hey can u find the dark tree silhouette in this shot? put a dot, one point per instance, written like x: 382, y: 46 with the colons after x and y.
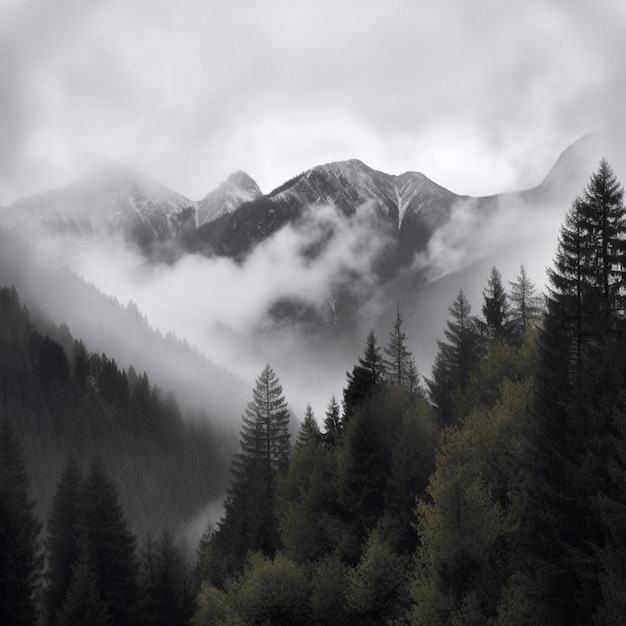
x: 526, y: 306
x: 309, y: 430
x: 577, y: 393
x: 496, y: 307
x: 21, y: 558
x: 455, y: 358
x: 399, y: 362
x: 63, y: 538
x: 249, y: 521
x: 110, y: 545
x: 366, y: 378
x: 333, y: 423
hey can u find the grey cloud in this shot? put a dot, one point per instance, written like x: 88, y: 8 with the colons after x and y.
x: 221, y: 306
x: 192, y: 91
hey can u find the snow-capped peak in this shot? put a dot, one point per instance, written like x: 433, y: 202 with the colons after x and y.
x: 236, y: 190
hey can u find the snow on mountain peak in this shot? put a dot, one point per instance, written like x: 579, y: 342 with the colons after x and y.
x: 351, y: 184
x: 236, y: 190
x: 112, y: 197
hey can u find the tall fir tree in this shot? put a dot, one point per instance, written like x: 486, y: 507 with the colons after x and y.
x: 21, y: 559
x: 455, y: 358
x: 571, y: 426
x: 264, y: 435
x: 603, y: 221
x: 367, y: 377
x: 525, y: 308
x: 495, y: 308
x: 399, y: 362
x: 309, y: 430
x: 249, y: 521
x: 110, y: 545
x: 333, y: 423
x: 63, y: 537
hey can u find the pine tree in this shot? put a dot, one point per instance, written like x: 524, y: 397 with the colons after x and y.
x: 463, y: 339
x: 604, y: 223
x: 400, y: 364
x: 110, y: 545
x: 264, y: 436
x: 63, y: 539
x: 496, y: 307
x: 455, y: 358
x: 571, y: 430
x: 249, y: 521
x: 367, y: 376
x: 309, y: 430
x: 525, y: 305
x: 333, y: 423
x: 442, y: 385
x: 21, y: 557
x: 587, y: 280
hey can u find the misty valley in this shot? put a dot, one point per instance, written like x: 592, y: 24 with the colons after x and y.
x: 359, y: 398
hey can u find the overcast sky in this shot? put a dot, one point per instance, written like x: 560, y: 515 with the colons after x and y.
x: 479, y: 95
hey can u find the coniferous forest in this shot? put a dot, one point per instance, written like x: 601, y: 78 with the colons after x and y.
x: 490, y: 491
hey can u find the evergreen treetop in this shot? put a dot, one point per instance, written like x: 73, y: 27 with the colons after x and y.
x: 265, y: 435
x: 309, y: 432
x: 333, y: 422
x: 366, y: 377
x: 399, y: 362
x: 525, y: 304
x: 496, y: 307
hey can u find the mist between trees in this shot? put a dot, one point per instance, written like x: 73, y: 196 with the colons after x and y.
x: 489, y: 492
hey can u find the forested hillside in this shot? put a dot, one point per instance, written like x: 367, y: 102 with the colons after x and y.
x: 490, y: 491
x: 63, y: 401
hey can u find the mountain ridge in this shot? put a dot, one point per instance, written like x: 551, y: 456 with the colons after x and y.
x: 235, y: 216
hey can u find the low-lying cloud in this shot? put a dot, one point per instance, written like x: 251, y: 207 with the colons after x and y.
x: 221, y: 306
x: 474, y: 232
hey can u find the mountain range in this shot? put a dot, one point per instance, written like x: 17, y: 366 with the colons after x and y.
x: 233, y: 218
x: 341, y: 244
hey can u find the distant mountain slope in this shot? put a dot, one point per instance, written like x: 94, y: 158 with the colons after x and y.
x: 113, y: 199
x: 64, y: 401
x: 120, y: 331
